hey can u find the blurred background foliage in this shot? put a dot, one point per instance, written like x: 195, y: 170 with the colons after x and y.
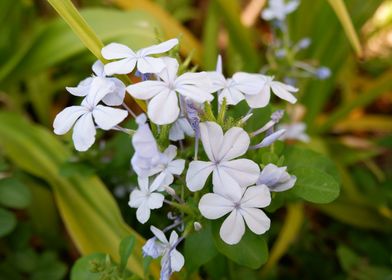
x: 56, y: 204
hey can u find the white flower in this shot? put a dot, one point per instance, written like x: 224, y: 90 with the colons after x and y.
x: 162, y: 94
x: 145, y: 199
x: 180, y: 128
x: 168, y: 166
x: 142, y: 59
x: 235, y: 89
x: 222, y: 150
x: 276, y: 178
x: 262, y: 98
x: 147, y: 155
x: 241, y: 207
x: 278, y: 9
x: 113, y: 98
x: 172, y: 260
x: 295, y: 131
x: 83, y: 116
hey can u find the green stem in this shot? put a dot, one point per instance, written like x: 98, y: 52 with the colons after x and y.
x: 182, y: 207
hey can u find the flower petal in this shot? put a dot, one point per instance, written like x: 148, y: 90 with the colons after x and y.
x: 159, y: 181
x: 256, y: 220
x: 285, y: 185
x: 159, y: 48
x: 136, y: 198
x: 117, y: 51
x: 233, y: 228
x: 98, y: 68
x: 235, y: 143
x: 212, y: 138
x: 169, y: 73
x: 147, y: 89
x: 176, y: 166
x: 173, y: 238
x: 155, y: 200
x: 159, y: 234
x: 144, y: 142
x: 213, y: 206
x: 271, y: 174
x: 99, y: 88
x: 197, y: 174
x: 176, y: 260
x: 143, y: 213
x: 256, y: 197
x: 143, y: 183
x: 170, y: 153
x: 248, y: 84
x: 82, y: 89
x: 259, y: 100
x: 225, y: 185
x: 233, y: 96
x: 244, y: 171
x: 163, y: 108
x: 116, y: 97
x: 84, y: 133
x: 66, y: 119
x: 107, y: 117
x: 148, y: 64
x: 283, y: 91
x: 123, y: 66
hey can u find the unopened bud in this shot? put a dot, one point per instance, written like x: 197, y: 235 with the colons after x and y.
x: 197, y: 226
x: 170, y: 190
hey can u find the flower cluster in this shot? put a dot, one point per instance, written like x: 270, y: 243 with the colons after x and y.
x: 180, y: 109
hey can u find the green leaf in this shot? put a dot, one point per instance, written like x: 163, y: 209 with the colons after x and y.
x: 134, y: 28
x: 342, y: 13
x: 81, y: 269
x: 356, y: 215
x: 251, y: 251
x: 125, y: 250
x: 78, y: 24
x: 347, y: 258
x: 14, y: 194
x: 7, y: 222
x: 199, y: 248
x: 299, y: 157
x: 49, y: 267
x: 85, y: 204
x: 315, y: 185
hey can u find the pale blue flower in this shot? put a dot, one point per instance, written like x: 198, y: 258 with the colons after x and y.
x: 276, y: 178
x: 279, y: 9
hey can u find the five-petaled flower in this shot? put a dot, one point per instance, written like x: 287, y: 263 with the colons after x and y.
x: 243, y: 206
x: 142, y: 59
x: 145, y: 199
x: 168, y: 166
x: 262, y: 98
x: 221, y: 150
x: 83, y: 116
x: 172, y: 260
x: 278, y: 9
x: 113, y: 98
x: 162, y: 94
